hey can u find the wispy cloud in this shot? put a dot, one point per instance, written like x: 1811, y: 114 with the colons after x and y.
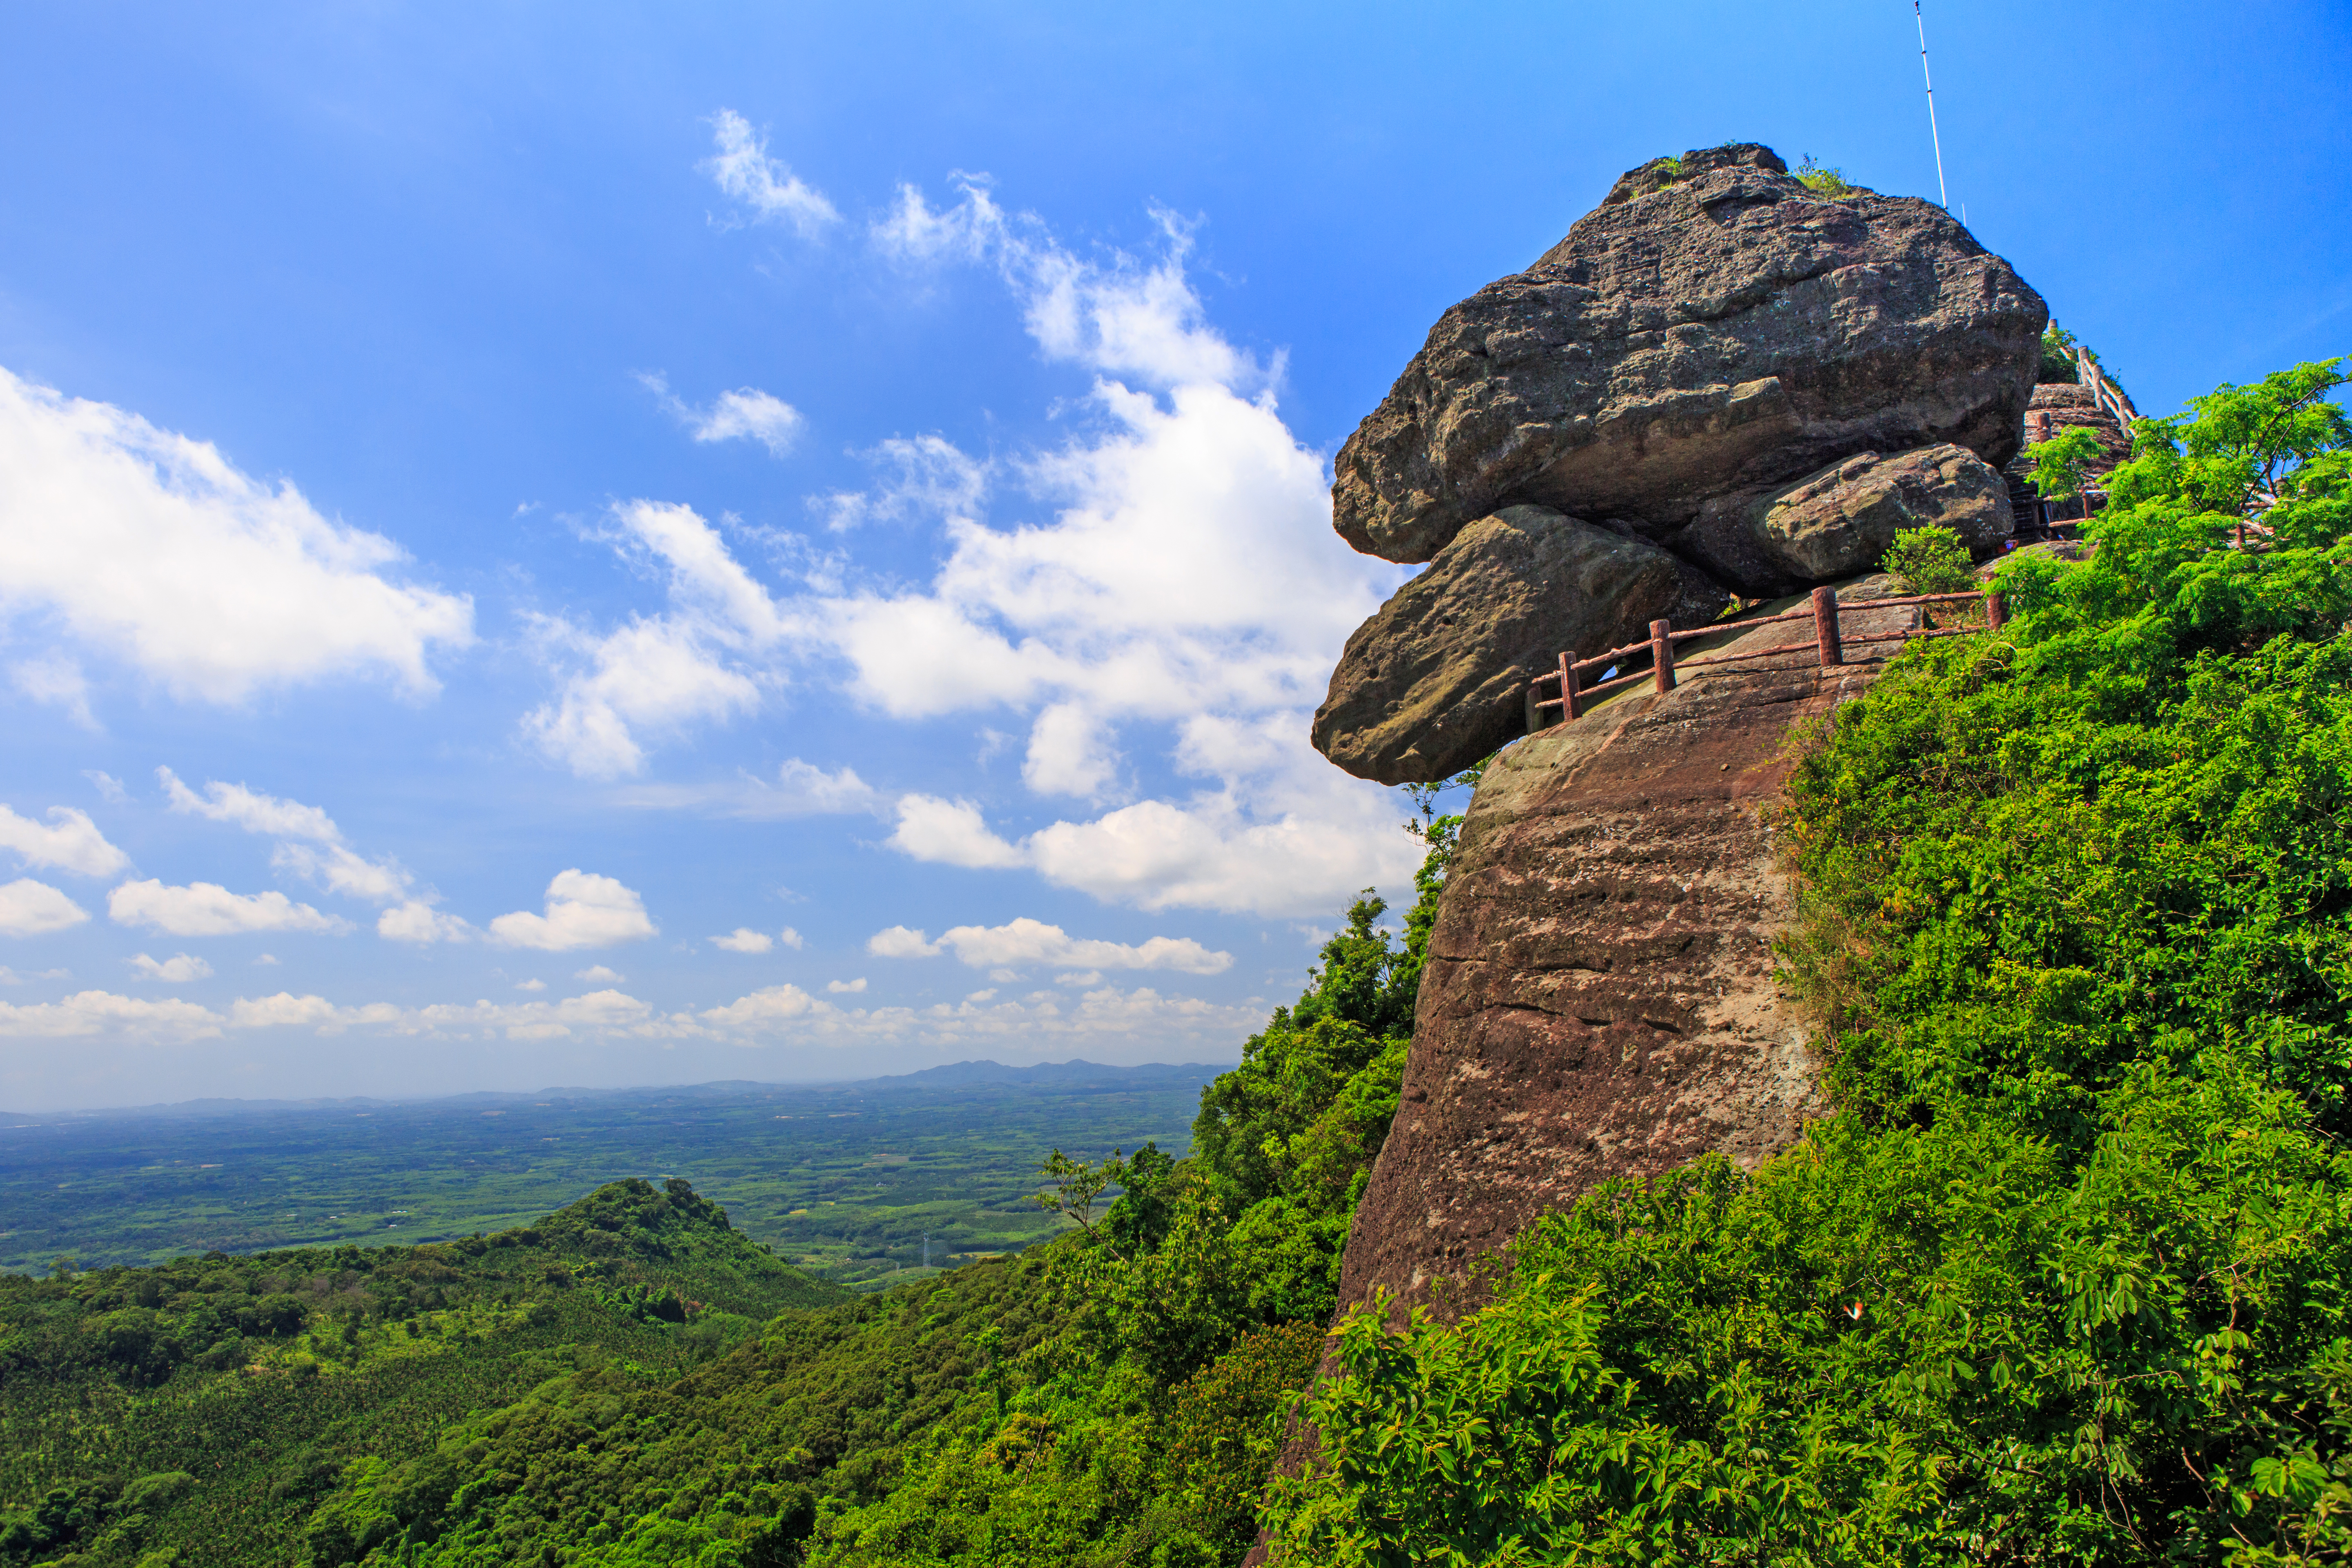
x: 207, y: 908
x: 745, y: 414
x: 761, y: 185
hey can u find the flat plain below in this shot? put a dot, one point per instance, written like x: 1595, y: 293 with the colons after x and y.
x: 843, y: 1180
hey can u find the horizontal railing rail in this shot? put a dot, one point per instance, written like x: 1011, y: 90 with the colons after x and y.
x: 1829, y: 645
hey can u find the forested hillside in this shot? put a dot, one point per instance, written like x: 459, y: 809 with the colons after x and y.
x: 2066, y: 1276
x: 630, y: 1381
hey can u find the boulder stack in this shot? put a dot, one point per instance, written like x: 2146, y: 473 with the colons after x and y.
x: 1746, y: 385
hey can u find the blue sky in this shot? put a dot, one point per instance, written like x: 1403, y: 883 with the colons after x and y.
x: 587, y: 546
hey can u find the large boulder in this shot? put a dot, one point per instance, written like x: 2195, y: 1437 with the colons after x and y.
x: 1839, y: 521
x: 1436, y: 679
x: 1714, y: 326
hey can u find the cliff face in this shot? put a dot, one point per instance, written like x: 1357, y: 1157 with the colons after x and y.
x: 1600, y: 997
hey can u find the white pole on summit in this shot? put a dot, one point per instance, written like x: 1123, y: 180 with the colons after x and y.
x: 1944, y: 197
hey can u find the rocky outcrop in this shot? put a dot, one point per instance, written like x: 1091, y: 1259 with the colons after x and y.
x: 1764, y: 381
x: 1436, y: 680
x: 1839, y: 521
x: 1600, y: 998
x: 1727, y: 330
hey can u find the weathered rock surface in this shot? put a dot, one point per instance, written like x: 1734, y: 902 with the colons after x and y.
x: 1839, y: 521
x: 1600, y: 999
x: 1732, y: 329
x: 1435, y: 679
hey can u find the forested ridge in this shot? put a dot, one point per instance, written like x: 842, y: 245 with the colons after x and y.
x: 2063, y: 1278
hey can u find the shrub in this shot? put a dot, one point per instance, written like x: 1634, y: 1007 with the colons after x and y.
x: 1821, y: 179
x: 1930, y: 560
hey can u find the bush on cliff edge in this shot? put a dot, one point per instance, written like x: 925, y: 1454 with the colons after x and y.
x: 2067, y: 1277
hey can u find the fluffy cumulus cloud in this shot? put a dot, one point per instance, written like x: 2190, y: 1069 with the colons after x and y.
x: 1025, y: 940
x: 207, y: 908
x: 762, y: 186
x: 34, y: 909
x: 743, y: 939
x: 68, y: 841
x: 706, y: 657
x: 149, y: 547
x: 582, y: 910
x: 1187, y: 584
x: 1174, y: 588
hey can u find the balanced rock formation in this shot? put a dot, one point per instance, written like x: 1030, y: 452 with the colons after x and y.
x: 1732, y: 328
x: 1839, y: 521
x: 1435, y: 679
x: 1600, y: 998
x: 1764, y: 381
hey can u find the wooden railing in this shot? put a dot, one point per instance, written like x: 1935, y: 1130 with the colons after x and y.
x: 1830, y: 643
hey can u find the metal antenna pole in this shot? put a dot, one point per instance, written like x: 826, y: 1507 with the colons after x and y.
x: 1944, y: 197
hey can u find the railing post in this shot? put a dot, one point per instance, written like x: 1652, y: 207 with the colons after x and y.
x: 1661, y: 654
x: 1826, y: 627
x: 1569, y: 706
x: 1995, y: 609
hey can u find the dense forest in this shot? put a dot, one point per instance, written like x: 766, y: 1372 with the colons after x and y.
x: 2063, y: 1278
x: 630, y: 1380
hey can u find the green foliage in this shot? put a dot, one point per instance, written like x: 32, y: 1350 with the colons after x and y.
x: 1822, y: 180
x: 2058, y: 356
x: 266, y: 1374
x: 1930, y: 560
x: 2066, y: 1277
x: 2061, y: 463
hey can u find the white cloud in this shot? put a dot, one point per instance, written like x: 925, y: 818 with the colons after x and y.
x: 311, y: 847
x: 582, y: 910
x: 251, y: 810
x: 10, y: 977
x: 697, y: 662
x: 207, y: 908
x: 531, y: 984
x: 57, y: 681
x: 71, y: 842
x: 915, y: 232
x: 420, y: 923
x: 1025, y: 940
x: 748, y: 412
x: 109, y: 788
x: 267, y: 958
x: 597, y: 974
x: 1079, y: 977
x: 744, y: 939
x: 34, y: 909
x: 175, y: 971
x: 927, y: 479
x: 950, y: 832
x: 103, y: 1013
x: 840, y: 987
x: 152, y: 548
x: 801, y: 789
x: 899, y: 943
x: 745, y: 413
x: 1070, y: 752
x: 791, y: 938
x: 774, y: 194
